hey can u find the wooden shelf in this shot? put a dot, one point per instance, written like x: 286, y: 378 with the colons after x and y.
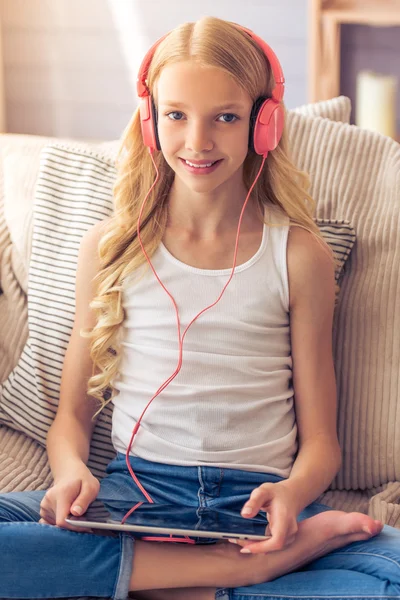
x: 325, y: 20
x: 360, y: 5
x: 371, y: 16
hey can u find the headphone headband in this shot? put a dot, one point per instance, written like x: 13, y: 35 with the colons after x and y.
x: 277, y: 92
x: 141, y: 81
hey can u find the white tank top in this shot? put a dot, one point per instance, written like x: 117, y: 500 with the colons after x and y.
x: 231, y: 405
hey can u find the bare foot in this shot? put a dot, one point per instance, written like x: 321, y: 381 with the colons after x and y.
x: 316, y: 537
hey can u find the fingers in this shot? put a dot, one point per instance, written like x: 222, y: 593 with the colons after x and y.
x: 67, y: 526
x: 259, y: 498
x: 77, y: 507
x: 86, y: 496
x: 282, y: 526
x: 54, y: 508
x: 47, y: 513
x: 62, y: 511
x: 283, y: 537
x: 60, y: 501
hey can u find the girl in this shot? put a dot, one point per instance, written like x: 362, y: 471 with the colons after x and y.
x: 243, y: 416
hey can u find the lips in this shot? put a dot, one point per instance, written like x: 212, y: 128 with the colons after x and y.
x: 201, y: 167
x: 200, y: 163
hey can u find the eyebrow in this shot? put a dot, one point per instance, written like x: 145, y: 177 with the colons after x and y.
x: 231, y: 105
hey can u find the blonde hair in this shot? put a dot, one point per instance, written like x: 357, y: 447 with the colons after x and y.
x: 281, y: 184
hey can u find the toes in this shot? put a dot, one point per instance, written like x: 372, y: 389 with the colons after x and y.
x: 360, y: 523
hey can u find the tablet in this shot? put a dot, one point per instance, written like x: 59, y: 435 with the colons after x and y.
x: 164, y: 520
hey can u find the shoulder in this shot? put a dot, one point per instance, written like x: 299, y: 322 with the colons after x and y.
x: 89, y: 246
x: 310, y: 267
x: 92, y: 237
x: 88, y: 258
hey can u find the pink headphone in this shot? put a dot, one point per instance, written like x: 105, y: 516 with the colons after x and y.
x: 267, y: 115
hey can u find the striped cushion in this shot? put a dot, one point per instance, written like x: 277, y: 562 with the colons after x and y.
x: 74, y: 191
x: 340, y: 236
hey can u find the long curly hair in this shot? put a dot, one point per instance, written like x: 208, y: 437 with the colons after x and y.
x: 208, y: 41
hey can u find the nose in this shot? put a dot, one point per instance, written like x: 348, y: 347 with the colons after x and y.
x: 199, y: 137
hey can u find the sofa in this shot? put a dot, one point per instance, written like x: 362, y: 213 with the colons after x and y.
x: 355, y: 178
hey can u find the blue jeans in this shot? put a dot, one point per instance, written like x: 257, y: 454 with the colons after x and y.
x: 42, y: 561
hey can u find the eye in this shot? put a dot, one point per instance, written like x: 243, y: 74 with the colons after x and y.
x: 175, y: 112
x: 231, y: 118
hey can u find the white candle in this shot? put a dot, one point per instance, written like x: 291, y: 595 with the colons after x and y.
x: 376, y: 102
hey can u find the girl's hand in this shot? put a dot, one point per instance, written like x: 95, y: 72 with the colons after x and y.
x: 70, y: 494
x: 277, y: 501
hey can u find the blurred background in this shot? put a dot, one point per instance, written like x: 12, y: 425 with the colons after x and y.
x: 68, y: 67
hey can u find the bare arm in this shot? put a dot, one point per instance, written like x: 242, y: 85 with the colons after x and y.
x: 311, y: 304
x: 312, y: 294
x: 69, y: 436
x: 68, y: 439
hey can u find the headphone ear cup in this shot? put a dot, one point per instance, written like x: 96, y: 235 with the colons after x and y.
x: 148, y: 122
x: 253, y: 119
x: 155, y: 124
x: 267, y: 121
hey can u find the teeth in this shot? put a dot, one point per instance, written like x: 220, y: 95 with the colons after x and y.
x: 199, y: 166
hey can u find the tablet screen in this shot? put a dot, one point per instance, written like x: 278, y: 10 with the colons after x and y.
x: 201, y: 521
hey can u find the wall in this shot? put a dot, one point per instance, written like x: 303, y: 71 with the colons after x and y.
x: 70, y: 65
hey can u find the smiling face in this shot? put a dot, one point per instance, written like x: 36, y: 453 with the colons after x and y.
x: 203, y: 119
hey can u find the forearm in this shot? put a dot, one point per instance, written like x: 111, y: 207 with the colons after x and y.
x: 68, y: 442
x: 316, y: 465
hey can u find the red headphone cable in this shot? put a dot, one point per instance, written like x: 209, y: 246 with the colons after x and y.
x: 180, y: 338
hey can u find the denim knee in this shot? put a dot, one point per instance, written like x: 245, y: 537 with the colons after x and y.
x: 43, y: 561
x: 20, y: 506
